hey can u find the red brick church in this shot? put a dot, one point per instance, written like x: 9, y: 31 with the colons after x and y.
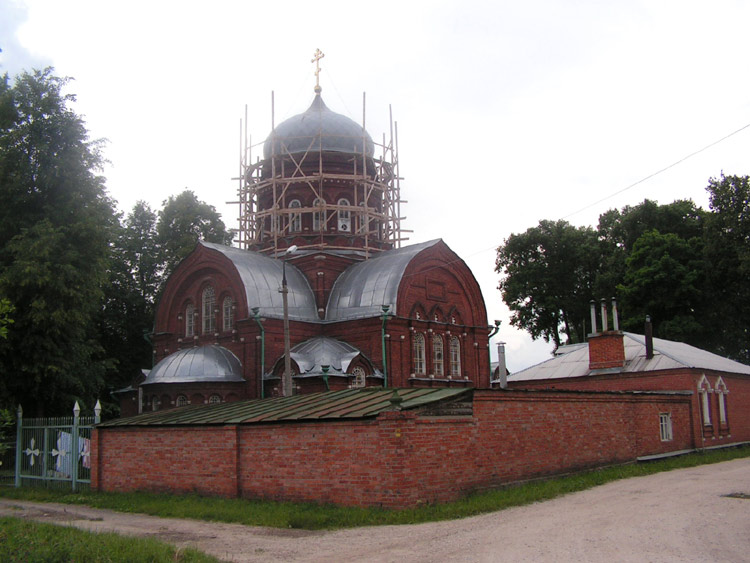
x: 320, y: 213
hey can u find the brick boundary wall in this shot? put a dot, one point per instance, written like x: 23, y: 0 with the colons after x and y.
x: 400, y: 459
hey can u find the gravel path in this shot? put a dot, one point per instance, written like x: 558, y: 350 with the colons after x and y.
x: 698, y: 514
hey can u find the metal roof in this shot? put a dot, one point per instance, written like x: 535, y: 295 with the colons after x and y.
x: 574, y: 361
x: 312, y: 354
x: 332, y: 405
x: 318, y: 129
x: 204, y: 363
x: 365, y: 287
x: 261, y: 277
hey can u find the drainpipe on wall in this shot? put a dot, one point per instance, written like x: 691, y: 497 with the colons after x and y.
x: 256, y: 318
x: 325, y: 376
x: 385, y: 309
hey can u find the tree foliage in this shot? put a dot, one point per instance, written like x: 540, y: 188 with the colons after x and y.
x: 55, y: 228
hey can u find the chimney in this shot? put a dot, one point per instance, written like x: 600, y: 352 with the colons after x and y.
x: 606, y: 349
x: 501, y: 368
x: 593, y: 317
x: 649, y: 337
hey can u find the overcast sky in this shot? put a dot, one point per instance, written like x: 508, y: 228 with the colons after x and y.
x: 508, y: 112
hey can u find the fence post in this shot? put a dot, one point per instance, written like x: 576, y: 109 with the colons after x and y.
x: 74, y: 446
x: 19, y: 424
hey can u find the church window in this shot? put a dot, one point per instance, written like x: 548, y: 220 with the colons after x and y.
x: 455, y: 356
x: 295, y: 219
x: 155, y: 403
x: 345, y: 217
x: 190, y: 320
x: 437, y: 356
x: 319, y: 215
x: 665, y: 426
x: 419, y: 355
x: 209, y: 315
x: 721, y: 395
x: 359, y: 377
x: 703, y: 390
x: 228, y: 315
x: 182, y: 400
x: 213, y: 399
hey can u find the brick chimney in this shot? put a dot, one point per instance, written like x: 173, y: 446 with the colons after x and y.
x: 606, y: 348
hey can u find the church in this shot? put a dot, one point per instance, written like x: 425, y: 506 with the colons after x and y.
x: 319, y: 261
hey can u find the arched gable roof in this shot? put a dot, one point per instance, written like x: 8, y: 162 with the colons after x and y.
x: 365, y: 287
x: 205, y: 363
x: 261, y: 278
x: 312, y: 354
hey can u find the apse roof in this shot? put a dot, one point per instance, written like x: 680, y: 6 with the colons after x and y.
x: 328, y: 405
x: 205, y: 363
x: 365, y: 287
x: 312, y: 354
x: 667, y: 355
x: 319, y: 130
x: 261, y: 277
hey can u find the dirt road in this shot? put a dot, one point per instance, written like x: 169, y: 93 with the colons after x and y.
x: 698, y: 514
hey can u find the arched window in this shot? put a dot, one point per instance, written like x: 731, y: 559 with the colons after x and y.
x: 190, y: 320
x: 721, y: 395
x: 345, y: 216
x: 359, y: 377
x: 213, y: 399
x: 703, y: 389
x: 209, y: 315
x: 455, y: 357
x: 182, y: 401
x: 295, y: 219
x: 437, y: 356
x: 228, y: 313
x: 155, y: 403
x: 419, y: 355
x: 319, y: 215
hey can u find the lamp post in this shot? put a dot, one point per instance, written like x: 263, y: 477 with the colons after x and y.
x: 256, y: 317
x: 286, y: 381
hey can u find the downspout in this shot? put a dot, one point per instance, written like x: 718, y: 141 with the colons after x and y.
x: 495, y: 330
x: 256, y: 318
x: 325, y: 376
x: 385, y: 309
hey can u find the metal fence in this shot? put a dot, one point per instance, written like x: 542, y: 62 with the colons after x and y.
x: 54, y: 452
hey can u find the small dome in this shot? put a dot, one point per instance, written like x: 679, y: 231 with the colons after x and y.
x: 318, y: 130
x: 206, y: 363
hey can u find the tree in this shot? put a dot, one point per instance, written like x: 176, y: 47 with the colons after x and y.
x: 6, y: 309
x: 728, y: 256
x: 548, y: 276
x: 183, y: 221
x: 56, y: 225
x: 665, y: 279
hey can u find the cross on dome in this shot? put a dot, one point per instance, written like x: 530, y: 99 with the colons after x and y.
x: 316, y: 59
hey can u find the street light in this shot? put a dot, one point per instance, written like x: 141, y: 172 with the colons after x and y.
x: 286, y: 382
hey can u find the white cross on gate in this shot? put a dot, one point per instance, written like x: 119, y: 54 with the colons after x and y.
x: 31, y: 452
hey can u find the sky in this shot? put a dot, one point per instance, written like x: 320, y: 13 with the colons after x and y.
x: 508, y: 113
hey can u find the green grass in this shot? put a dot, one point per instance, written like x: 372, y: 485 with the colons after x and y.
x: 29, y: 542
x: 315, y: 516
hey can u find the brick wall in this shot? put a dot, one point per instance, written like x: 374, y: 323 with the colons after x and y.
x: 399, y: 459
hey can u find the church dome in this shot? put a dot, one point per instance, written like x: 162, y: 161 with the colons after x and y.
x: 205, y: 363
x: 318, y: 130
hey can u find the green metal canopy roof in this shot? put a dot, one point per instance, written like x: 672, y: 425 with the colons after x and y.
x: 330, y: 405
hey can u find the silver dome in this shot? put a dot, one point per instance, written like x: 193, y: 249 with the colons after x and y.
x: 205, y: 363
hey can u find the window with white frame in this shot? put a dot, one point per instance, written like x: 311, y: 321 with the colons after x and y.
x: 213, y: 399
x: 189, y: 320
x: 319, y: 215
x: 228, y: 313
x: 182, y: 400
x: 665, y: 426
x: 344, y: 216
x: 455, y: 357
x: 295, y: 219
x: 155, y: 403
x: 437, y: 356
x: 703, y: 389
x: 209, y: 306
x: 359, y: 377
x: 721, y: 396
x: 419, y: 354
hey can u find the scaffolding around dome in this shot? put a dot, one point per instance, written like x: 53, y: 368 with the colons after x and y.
x: 318, y: 181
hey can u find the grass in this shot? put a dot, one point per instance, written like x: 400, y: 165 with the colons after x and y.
x: 315, y: 516
x: 29, y: 542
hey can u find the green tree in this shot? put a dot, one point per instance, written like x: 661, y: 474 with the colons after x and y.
x: 548, y: 276
x: 665, y: 279
x: 56, y: 226
x: 183, y: 221
x: 728, y: 258
x: 6, y: 309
